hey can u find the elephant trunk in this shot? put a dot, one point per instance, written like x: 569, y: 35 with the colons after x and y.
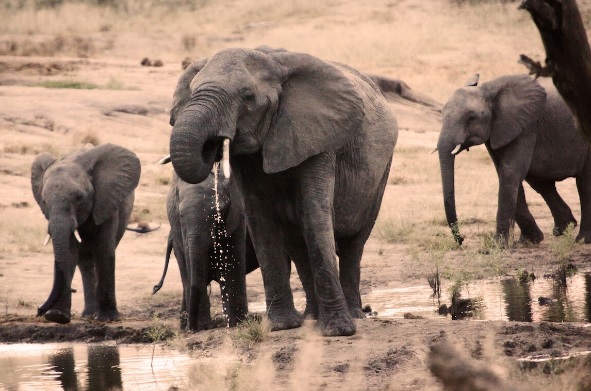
x: 447, y: 162
x: 65, y: 260
x: 59, y: 283
x: 198, y: 135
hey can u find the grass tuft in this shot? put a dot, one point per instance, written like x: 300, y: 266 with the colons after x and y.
x: 562, y: 246
x: 72, y: 84
x: 254, y: 329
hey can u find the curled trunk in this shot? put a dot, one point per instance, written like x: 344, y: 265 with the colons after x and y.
x: 197, y: 138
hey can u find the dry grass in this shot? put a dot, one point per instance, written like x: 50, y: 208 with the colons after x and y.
x: 23, y: 231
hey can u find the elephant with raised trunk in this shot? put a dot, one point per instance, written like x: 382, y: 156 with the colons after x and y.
x: 530, y: 135
x: 87, y: 198
x: 310, y: 144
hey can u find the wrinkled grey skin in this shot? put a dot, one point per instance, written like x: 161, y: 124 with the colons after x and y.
x: 92, y: 191
x: 192, y: 215
x: 311, y: 149
x: 530, y: 135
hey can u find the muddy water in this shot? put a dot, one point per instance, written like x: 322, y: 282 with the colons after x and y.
x: 126, y: 367
x: 498, y: 299
x: 90, y: 367
x: 545, y: 299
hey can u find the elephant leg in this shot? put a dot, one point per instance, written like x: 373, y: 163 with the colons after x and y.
x: 234, y: 282
x: 512, y: 163
x: 350, y: 251
x: 266, y: 236
x: 316, y: 211
x: 296, y: 248
x: 105, y: 271
x: 530, y: 232
x: 199, y: 258
x: 584, y: 188
x: 86, y: 266
x: 560, y: 210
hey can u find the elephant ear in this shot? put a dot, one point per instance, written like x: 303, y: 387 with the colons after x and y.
x: 518, y: 103
x: 182, y: 92
x: 115, y: 173
x: 41, y: 163
x: 319, y: 110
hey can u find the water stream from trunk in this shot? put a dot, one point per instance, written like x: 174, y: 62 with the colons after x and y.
x: 221, y: 246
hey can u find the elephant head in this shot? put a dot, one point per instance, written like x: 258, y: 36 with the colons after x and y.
x: 287, y: 106
x: 84, y: 188
x: 495, y: 114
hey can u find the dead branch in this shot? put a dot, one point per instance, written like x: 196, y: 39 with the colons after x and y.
x: 568, y: 57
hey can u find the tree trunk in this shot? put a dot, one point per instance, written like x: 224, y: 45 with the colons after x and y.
x: 568, y: 57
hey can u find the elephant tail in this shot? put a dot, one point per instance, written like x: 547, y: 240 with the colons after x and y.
x: 166, y: 260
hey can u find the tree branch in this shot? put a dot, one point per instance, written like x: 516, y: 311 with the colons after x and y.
x: 568, y: 57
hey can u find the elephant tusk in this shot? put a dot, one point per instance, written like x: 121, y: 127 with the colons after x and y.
x: 165, y: 160
x: 226, y: 158
x: 77, y: 236
x: 434, y: 150
x: 456, y: 149
x: 47, y: 240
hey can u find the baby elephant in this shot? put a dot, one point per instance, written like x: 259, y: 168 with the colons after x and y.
x: 87, y: 198
x: 210, y: 243
x: 530, y: 135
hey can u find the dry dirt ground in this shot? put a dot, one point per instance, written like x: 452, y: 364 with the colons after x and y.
x: 128, y: 105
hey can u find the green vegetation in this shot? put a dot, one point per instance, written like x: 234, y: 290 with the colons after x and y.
x: 562, y: 246
x: 253, y: 330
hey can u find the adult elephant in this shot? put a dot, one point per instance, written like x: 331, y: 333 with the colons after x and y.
x: 210, y: 242
x: 530, y: 135
x: 311, y: 146
x: 87, y: 197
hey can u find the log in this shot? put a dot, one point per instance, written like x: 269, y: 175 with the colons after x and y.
x: 568, y: 57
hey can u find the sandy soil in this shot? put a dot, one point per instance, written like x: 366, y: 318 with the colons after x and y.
x: 130, y: 108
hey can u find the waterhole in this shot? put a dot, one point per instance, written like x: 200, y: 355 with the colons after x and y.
x: 508, y: 299
x: 544, y: 299
x: 90, y: 367
x: 144, y: 367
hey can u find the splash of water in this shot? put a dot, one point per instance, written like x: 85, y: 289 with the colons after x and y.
x: 223, y: 257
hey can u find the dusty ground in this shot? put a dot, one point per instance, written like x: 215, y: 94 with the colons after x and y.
x: 129, y: 106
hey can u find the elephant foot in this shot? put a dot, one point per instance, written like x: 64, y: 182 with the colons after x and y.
x: 284, y: 319
x: 205, y: 325
x: 336, y: 323
x: 357, y: 313
x: 107, y: 315
x: 531, y: 237
x: 58, y: 316
x: 88, y: 314
x: 584, y: 236
x: 311, y: 311
x: 560, y: 228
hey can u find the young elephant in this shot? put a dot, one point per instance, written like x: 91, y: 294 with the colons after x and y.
x: 530, y: 135
x: 209, y: 247
x: 87, y: 198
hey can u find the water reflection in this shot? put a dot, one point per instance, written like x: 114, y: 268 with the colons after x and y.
x: 517, y: 296
x: 63, y: 365
x: 544, y: 299
x: 91, y: 367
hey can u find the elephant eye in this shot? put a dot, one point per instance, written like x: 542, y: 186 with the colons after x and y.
x: 247, y: 96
